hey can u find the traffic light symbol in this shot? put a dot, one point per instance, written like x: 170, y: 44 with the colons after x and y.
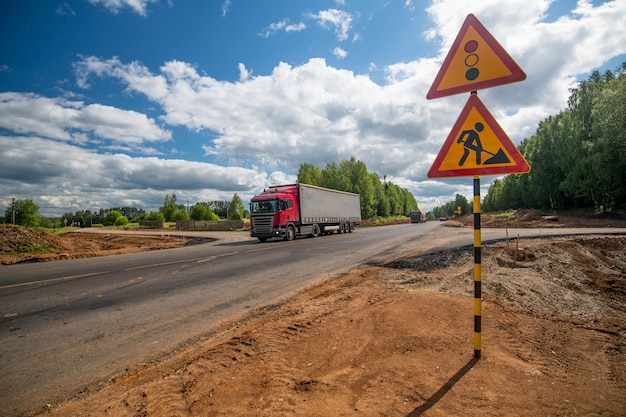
x: 471, y: 60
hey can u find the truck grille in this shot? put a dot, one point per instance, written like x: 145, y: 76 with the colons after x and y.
x: 263, y: 224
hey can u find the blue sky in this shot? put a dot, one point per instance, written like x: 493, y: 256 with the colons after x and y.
x: 107, y: 103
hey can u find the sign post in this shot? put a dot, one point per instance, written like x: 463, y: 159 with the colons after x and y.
x: 477, y: 270
x: 476, y: 145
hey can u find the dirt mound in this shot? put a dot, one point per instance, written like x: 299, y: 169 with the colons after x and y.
x: 527, y: 215
x: 21, y: 244
x: 21, y: 239
x: 525, y: 218
x: 573, y: 277
x: 397, y: 340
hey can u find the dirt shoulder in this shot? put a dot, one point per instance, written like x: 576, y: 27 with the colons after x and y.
x: 397, y: 340
x: 20, y: 244
x: 530, y: 218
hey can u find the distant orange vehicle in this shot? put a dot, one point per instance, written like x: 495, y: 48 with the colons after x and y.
x: 417, y: 216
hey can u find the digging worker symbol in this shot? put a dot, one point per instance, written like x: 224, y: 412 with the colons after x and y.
x: 471, y: 142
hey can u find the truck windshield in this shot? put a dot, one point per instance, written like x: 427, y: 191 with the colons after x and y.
x: 265, y: 206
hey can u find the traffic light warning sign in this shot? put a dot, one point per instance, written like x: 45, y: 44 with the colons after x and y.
x: 475, y: 61
x: 477, y: 145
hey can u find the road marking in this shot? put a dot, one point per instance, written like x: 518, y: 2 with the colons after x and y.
x: 132, y: 268
x: 48, y: 281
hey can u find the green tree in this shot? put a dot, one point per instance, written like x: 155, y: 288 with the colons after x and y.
x: 461, y: 201
x: 130, y: 213
x: 394, y: 196
x: 201, y: 211
x: 45, y: 222
x: 409, y: 202
x: 235, y: 209
x: 111, y: 217
x: 25, y: 213
x: 220, y: 208
x: 155, y: 216
x: 121, y: 221
x: 360, y: 182
x: 310, y: 174
x: 169, y: 208
x: 352, y: 176
x: 609, y: 114
x: 98, y: 218
x: 181, y: 214
x: 382, y: 203
x: 577, y: 157
x: 335, y: 179
x: 491, y: 202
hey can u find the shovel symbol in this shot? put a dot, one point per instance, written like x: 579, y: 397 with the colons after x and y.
x: 471, y: 142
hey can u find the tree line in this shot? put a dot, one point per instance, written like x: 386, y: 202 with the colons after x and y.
x: 577, y: 157
x: 24, y: 212
x: 378, y: 198
x: 459, y: 206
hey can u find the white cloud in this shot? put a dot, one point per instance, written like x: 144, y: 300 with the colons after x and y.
x: 280, y: 26
x: 339, y: 19
x: 225, y: 7
x: 64, y: 9
x: 114, y: 6
x: 298, y: 27
x: 134, y: 73
x: 69, y: 173
x: 244, y: 74
x: 65, y: 120
x: 340, y: 53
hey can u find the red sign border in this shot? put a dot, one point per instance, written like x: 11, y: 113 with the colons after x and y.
x: 520, y: 167
x: 517, y: 73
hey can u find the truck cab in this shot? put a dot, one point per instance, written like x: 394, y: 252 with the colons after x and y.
x: 274, y: 213
x: 417, y: 216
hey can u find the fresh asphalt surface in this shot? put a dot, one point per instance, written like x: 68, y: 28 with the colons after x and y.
x: 66, y: 325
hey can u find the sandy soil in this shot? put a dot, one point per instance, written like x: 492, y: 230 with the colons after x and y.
x: 397, y: 340
x: 19, y: 244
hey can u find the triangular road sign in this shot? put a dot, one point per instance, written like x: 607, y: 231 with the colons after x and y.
x: 477, y: 145
x: 475, y: 61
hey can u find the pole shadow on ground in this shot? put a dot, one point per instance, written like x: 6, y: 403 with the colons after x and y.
x: 444, y: 389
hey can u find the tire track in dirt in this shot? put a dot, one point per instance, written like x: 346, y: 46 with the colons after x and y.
x: 396, y: 340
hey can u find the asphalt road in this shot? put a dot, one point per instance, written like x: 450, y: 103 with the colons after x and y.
x: 66, y: 325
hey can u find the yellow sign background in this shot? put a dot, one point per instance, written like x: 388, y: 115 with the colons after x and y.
x: 489, y: 141
x: 489, y: 64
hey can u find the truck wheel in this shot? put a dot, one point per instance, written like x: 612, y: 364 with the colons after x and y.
x: 316, y: 230
x: 290, y: 233
x: 350, y: 227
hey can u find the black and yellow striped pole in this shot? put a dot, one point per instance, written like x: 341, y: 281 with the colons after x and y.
x: 475, y: 50
x: 477, y: 269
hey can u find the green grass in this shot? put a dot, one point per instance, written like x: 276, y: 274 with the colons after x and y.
x: 29, y: 249
x: 62, y: 230
x: 509, y: 214
x: 379, y: 221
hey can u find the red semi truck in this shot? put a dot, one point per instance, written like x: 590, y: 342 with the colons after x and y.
x: 417, y: 216
x: 287, y: 211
